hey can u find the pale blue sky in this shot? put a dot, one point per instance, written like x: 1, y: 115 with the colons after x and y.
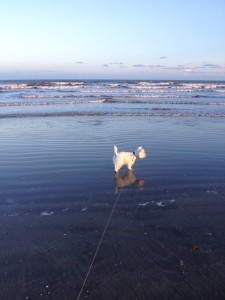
x: 126, y: 39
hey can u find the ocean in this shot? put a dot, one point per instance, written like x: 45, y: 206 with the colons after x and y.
x: 58, y: 188
x: 112, y: 98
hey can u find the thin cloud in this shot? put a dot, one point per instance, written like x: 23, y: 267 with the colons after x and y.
x: 180, y: 67
x: 211, y: 66
x: 188, y: 70
x: 139, y: 66
x: 156, y: 66
x: 116, y: 63
x: 105, y: 65
x: 174, y: 68
x: 163, y: 57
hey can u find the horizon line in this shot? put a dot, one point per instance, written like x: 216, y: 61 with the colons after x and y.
x: 106, y: 79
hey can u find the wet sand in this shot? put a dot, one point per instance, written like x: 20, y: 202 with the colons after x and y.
x: 166, y: 236
x: 152, y: 249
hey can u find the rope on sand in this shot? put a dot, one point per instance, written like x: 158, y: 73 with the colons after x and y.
x: 99, y: 244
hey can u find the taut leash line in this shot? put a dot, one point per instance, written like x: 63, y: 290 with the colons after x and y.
x: 99, y: 244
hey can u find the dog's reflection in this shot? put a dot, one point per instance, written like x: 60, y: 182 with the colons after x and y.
x: 128, y: 179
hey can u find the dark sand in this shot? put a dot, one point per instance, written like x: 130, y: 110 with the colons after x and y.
x: 164, y: 241
x: 175, y: 251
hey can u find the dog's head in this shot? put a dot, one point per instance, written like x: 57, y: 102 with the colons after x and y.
x: 140, y: 152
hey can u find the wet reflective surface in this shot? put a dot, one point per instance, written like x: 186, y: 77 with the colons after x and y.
x: 58, y: 188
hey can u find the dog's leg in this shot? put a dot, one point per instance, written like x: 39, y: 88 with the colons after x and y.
x: 117, y: 167
x: 129, y: 167
x: 131, y: 163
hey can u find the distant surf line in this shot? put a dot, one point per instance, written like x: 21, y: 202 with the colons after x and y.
x: 99, y: 101
x: 106, y: 114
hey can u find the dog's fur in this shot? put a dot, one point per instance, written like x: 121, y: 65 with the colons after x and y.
x: 126, y: 158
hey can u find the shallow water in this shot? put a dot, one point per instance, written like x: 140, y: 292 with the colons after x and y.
x: 57, y: 191
x: 60, y: 158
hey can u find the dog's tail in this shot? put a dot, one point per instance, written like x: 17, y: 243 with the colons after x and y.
x: 115, y: 150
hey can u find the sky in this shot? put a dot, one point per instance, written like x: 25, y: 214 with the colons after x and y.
x: 119, y: 39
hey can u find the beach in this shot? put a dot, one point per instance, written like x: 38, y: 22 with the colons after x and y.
x: 165, y: 239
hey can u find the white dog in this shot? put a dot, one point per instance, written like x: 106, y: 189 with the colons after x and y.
x: 127, y: 158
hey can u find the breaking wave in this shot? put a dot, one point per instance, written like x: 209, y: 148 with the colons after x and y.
x: 112, y: 97
x: 49, y: 103
x: 107, y: 101
x: 111, y: 114
x: 121, y: 84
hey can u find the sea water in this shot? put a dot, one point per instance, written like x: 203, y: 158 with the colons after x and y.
x: 115, y: 98
x: 57, y: 188
x: 57, y: 137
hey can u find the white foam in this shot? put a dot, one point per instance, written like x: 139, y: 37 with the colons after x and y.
x: 65, y: 209
x: 164, y: 202
x: 13, y: 215
x: 212, y: 192
x: 36, y: 103
x: 143, y: 204
x: 45, y: 213
x: 63, y: 83
x: 112, y: 85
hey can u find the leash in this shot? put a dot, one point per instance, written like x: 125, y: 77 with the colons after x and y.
x: 99, y: 244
